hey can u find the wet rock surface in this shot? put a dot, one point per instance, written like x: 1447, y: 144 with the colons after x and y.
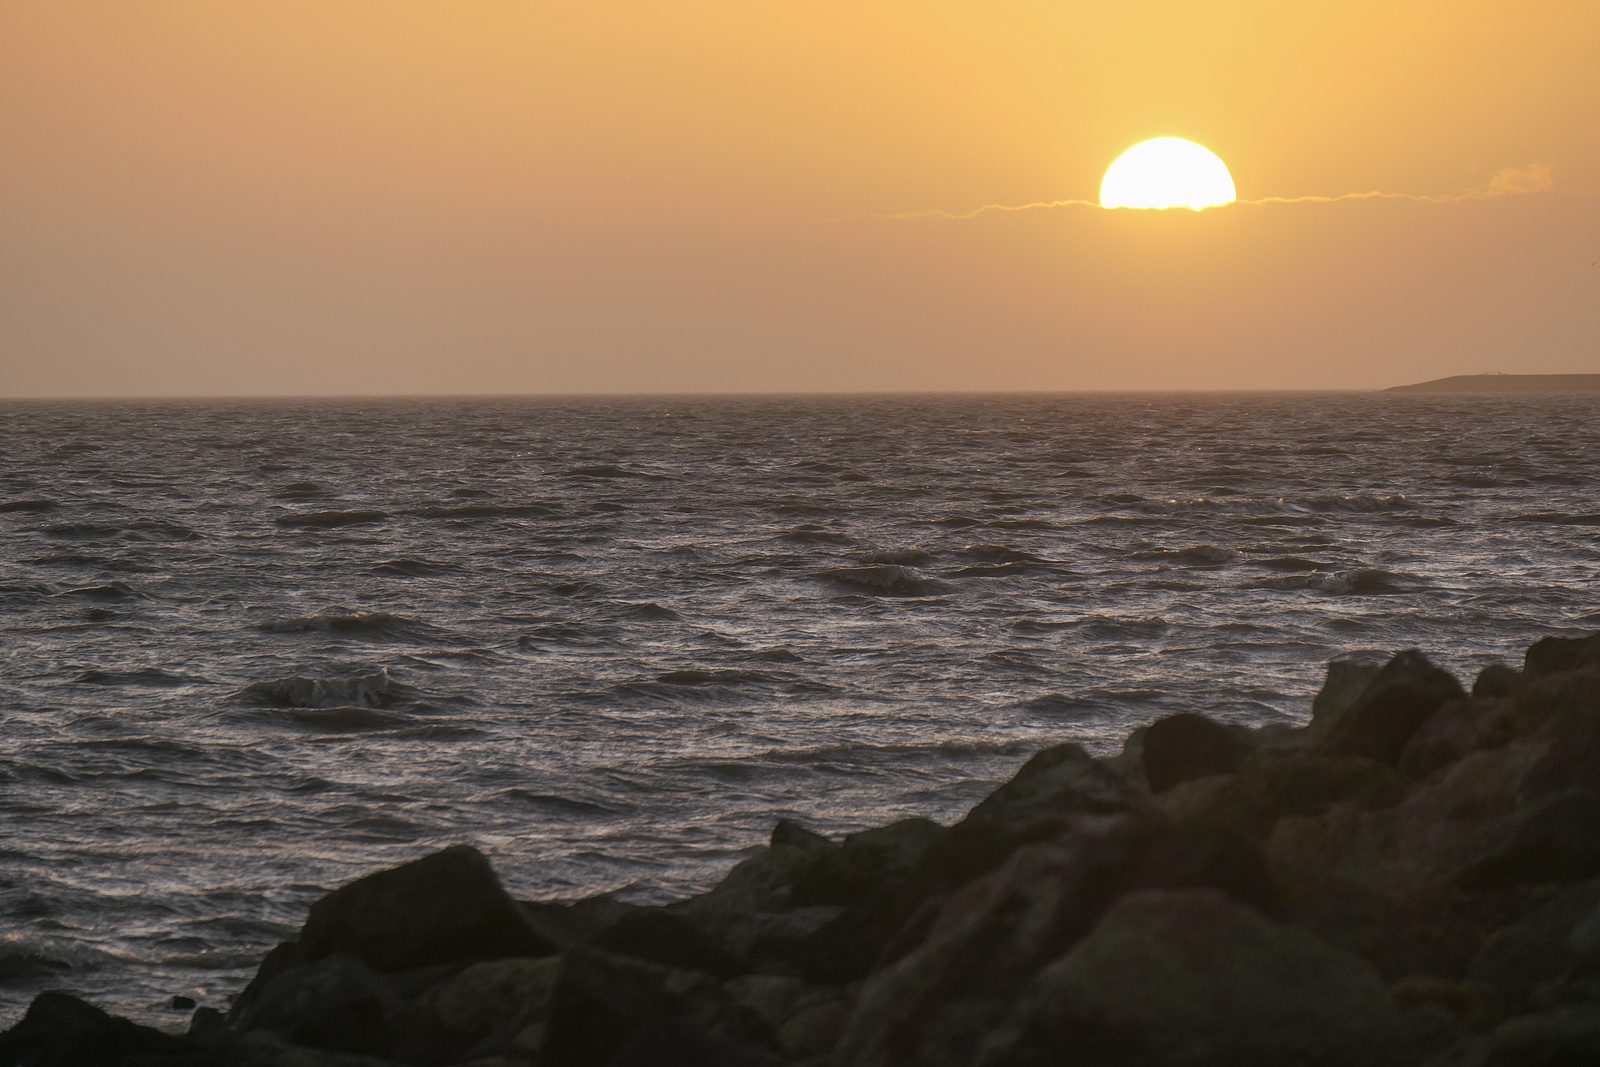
x: 1412, y: 878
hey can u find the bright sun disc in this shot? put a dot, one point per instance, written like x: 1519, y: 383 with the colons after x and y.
x: 1167, y: 172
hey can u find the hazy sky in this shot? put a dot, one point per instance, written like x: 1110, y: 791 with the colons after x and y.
x: 222, y: 196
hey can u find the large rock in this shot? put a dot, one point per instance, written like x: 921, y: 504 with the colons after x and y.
x: 660, y: 936
x: 1392, y: 706
x: 880, y: 860
x: 1554, y: 655
x: 976, y: 950
x: 336, y: 1003
x: 1470, y: 725
x: 1562, y: 1037
x: 607, y: 1011
x: 1183, y: 747
x: 59, y: 1030
x: 1051, y: 797
x: 1190, y: 977
x: 1276, y: 782
x: 1522, y: 960
x: 957, y: 967
x: 490, y: 1000
x: 1415, y: 887
x: 806, y: 1018
x: 445, y: 907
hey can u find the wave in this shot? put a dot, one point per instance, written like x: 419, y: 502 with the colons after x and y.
x: 882, y: 580
x: 152, y: 677
x: 355, y: 623
x: 650, y: 612
x: 356, y: 690
x: 899, y: 557
x: 1292, y: 563
x: 107, y: 591
x: 1194, y: 555
x: 22, y: 959
x: 1360, y: 503
x: 811, y: 535
x: 989, y: 553
x: 300, y: 491
x: 405, y: 567
x: 1560, y: 518
x: 487, y: 511
x: 1061, y: 706
x: 35, y: 505
x: 81, y: 531
x: 607, y: 471
x: 1121, y: 627
x: 345, y: 719
x: 328, y: 520
x: 1359, y: 581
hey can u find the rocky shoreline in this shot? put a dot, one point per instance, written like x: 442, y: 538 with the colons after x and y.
x: 1412, y: 878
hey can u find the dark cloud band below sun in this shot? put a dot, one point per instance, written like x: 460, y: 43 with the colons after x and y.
x: 1508, y: 181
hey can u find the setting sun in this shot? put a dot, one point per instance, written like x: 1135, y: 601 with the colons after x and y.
x: 1167, y: 172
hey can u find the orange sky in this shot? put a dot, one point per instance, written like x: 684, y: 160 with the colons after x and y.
x: 403, y: 197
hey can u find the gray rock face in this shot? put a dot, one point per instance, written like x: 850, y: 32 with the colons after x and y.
x: 607, y: 1010
x: 336, y: 1003
x: 1553, y: 655
x: 445, y: 907
x: 1395, y: 702
x: 1053, y: 794
x: 1181, y: 748
x: 1191, y: 978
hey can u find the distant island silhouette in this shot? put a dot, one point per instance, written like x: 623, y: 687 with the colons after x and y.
x: 1506, y: 383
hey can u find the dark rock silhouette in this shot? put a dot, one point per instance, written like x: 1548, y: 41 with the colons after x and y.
x: 1411, y: 878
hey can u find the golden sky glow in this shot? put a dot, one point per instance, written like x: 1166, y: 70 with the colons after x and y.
x: 341, y: 196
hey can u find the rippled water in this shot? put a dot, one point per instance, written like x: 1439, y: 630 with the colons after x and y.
x: 254, y: 649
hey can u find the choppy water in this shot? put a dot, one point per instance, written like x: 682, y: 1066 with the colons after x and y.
x: 611, y: 641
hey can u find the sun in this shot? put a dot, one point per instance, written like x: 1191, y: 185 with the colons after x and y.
x: 1167, y: 172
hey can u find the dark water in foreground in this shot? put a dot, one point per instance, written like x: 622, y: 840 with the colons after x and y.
x: 251, y: 650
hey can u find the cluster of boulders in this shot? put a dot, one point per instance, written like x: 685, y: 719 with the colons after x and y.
x: 1412, y: 878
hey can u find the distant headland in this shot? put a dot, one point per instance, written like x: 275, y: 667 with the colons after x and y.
x: 1506, y: 383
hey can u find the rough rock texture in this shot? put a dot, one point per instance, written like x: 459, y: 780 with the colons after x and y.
x: 1190, y: 977
x: 1413, y: 878
x: 444, y: 907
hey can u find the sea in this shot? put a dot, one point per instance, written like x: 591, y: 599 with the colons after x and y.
x: 252, y: 649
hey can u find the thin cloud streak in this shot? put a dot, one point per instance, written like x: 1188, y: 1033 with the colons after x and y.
x: 1508, y: 181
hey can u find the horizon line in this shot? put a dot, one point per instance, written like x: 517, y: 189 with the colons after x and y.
x: 739, y: 394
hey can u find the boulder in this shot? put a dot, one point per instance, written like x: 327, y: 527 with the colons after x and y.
x: 806, y: 1018
x: 1522, y: 959
x: 445, y: 907
x: 496, y: 997
x: 880, y: 860
x: 1497, y: 680
x: 662, y: 937
x: 1192, y: 978
x: 1277, y: 782
x: 1055, y: 792
x: 1183, y: 747
x: 1394, y: 704
x: 335, y: 1003
x: 1554, y: 655
x: 59, y: 1030
x: 1346, y: 679
x: 1563, y: 1037
x: 1481, y: 722
x: 262, y: 1048
x: 608, y: 1011
x: 1399, y: 884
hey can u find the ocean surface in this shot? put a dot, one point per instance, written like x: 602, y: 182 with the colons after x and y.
x: 250, y: 650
